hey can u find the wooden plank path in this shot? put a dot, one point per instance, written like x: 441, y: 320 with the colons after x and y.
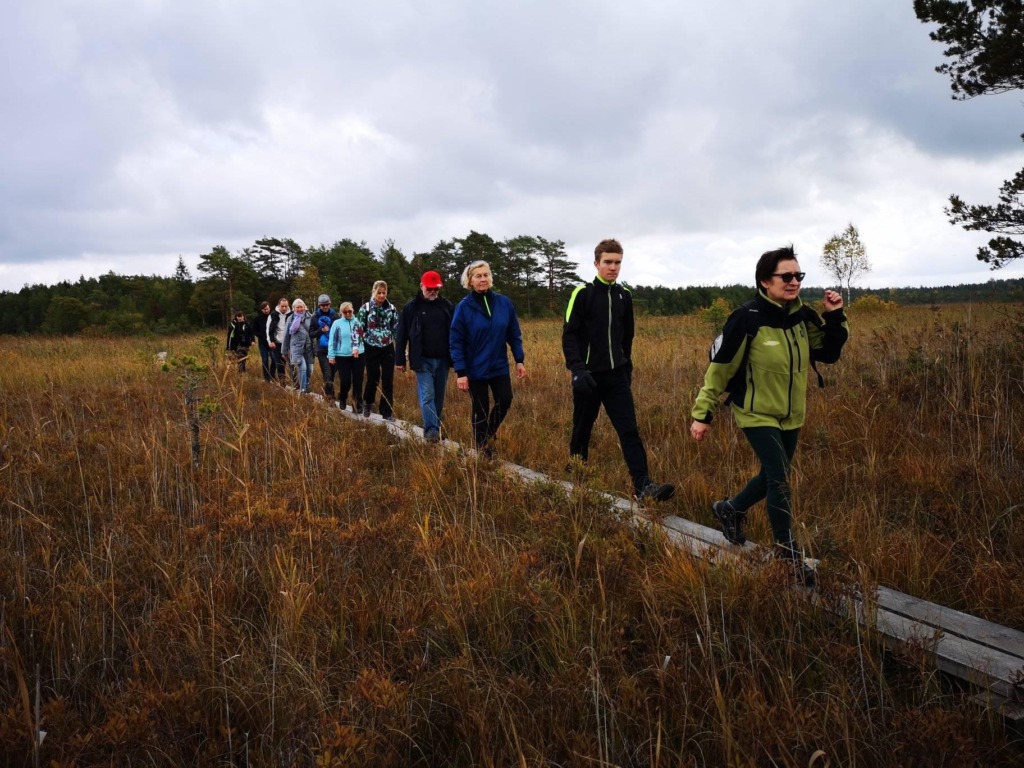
x: 982, y: 653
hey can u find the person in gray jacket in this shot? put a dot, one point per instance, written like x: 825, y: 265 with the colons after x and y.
x: 298, y: 343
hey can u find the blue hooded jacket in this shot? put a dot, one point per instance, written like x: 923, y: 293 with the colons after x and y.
x: 478, y: 339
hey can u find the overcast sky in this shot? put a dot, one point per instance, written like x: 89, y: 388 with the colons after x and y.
x: 135, y: 131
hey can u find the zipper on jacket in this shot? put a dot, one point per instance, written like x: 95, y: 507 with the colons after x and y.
x: 611, y: 352
x: 790, y: 342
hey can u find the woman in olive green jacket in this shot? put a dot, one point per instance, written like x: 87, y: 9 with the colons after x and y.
x: 761, y: 360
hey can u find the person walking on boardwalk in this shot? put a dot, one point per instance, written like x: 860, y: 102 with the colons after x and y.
x: 344, y: 351
x: 761, y: 360
x: 259, y: 331
x: 377, y: 323
x: 597, y: 343
x: 298, y: 344
x: 483, y: 325
x: 323, y: 319
x: 277, y: 328
x: 424, y: 328
x: 240, y: 338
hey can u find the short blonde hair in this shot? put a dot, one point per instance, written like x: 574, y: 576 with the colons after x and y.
x: 297, y: 303
x: 378, y: 284
x: 467, y: 273
x: 346, y: 304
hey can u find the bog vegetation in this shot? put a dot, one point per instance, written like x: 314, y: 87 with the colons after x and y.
x: 314, y: 591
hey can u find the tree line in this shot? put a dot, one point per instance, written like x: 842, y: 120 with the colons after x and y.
x: 534, y: 272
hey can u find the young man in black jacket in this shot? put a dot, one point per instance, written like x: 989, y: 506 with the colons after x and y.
x: 424, y: 327
x: 597, y: 342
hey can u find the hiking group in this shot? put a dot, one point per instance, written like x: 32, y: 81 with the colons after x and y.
x: 759, y: 362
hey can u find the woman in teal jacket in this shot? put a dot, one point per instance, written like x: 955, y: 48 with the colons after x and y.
x: 484, y: 324
x: 344, y: 347
x: 761, y: 360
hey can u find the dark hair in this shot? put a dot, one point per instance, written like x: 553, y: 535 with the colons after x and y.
x: 607, y: 246
x: 264, y: 305
x: 769, y: 261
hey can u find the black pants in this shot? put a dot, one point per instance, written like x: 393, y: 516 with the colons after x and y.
x: 380, y: 369
x: 350, y: 374
x: 486, y: 419
x: 775, y: 449
x: 327, y: 371
x: 614, y: 391
x: 277, y: 363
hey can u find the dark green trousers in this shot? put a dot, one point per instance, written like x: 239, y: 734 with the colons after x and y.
x: 774, y: 448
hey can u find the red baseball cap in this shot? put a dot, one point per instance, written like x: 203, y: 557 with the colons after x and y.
x: 431, y: 280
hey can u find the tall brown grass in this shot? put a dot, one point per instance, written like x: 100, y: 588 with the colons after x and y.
x: 317, y: 592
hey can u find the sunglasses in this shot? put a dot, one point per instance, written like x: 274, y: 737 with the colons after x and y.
x: 789, y: 277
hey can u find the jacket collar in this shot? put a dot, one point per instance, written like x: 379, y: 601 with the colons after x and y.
x: 774, y: 306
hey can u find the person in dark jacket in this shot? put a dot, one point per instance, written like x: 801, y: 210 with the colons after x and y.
x: 376, y: 325
x: 597, y: 343
x: 483, y: 325
x: 762, y: 359
x: 323, y: 319
x: 259, y: 330
x: 424, y: 328
x: 240, y: 338
x: 277, y: 329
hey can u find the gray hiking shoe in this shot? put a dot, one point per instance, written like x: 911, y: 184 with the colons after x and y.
x: 655, y: 492
x: 731, y: 520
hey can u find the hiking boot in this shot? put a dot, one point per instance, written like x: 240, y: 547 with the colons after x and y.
x: 731, y: 520
x: 803, y: 573
x: 432, y: 437
x: 653, y: 491
x: 366, y: 411
x: 389, y: 418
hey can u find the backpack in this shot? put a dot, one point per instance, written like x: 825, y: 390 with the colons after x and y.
x: 752, y: 321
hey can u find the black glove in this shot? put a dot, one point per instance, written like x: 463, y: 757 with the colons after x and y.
x: 583, y: 382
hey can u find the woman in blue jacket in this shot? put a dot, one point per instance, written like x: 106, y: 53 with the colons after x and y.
x: 483, y: 324
x: 343, y: 351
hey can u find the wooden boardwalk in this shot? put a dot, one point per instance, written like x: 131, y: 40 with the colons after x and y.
x: 987, y: 655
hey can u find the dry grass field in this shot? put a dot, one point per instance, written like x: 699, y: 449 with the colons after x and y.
x: 317, y: 592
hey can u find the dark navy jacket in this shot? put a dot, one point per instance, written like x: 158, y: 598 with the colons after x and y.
x: 478, y: 340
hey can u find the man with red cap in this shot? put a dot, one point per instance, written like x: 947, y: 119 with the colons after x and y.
x: 423, y: 328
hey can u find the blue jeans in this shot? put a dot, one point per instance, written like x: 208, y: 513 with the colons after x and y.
x: 431, y: 382
x: 268, y: 364
x: 303, y: 367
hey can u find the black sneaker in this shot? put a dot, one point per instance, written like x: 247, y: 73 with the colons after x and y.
x: 655, y: 492
x: 803, y: 573
x: 366, y: 411
x: 732, y: 521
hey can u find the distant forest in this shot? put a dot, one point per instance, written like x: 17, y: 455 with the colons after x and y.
x: 533, y: 271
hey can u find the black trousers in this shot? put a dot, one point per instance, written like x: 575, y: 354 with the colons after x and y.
x: 486, y: 419
x: 380, y: 369
x: 614, y: 391
x: 327, y: 371
x: 350, y: 371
